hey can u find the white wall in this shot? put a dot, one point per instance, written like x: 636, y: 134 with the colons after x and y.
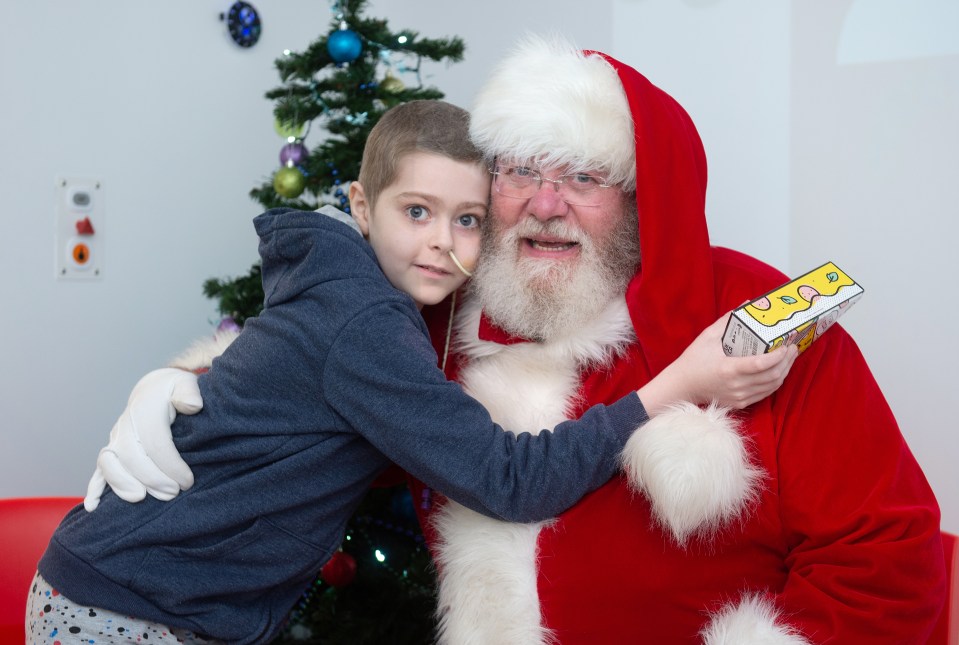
x: 176, y: 127
x: 159, y: 105
x: 875, y: 187
x: 725, y: 61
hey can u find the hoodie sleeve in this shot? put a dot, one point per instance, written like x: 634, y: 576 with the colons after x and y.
x: 382, y: 379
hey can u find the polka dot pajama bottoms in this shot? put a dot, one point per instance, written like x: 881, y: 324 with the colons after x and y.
x: 53, y: 619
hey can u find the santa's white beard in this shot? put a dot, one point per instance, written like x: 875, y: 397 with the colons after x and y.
x: 543, y: 299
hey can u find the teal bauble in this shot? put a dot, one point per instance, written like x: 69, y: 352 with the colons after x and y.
x: 344, y: 45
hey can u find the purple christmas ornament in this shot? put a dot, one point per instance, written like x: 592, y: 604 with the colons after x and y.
x: 293, y: 154
x: 227, y: 324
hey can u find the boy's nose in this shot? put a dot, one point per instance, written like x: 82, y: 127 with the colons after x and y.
x: 441, y: 239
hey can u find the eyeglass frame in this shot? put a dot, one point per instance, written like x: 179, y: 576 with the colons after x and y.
x: 536, y: 175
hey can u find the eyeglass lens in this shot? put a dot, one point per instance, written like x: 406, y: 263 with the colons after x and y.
x: 522, y: 182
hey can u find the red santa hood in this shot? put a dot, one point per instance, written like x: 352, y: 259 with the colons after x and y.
x: 671, y: 297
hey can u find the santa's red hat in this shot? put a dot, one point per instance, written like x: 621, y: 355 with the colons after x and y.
x: 583, y: 121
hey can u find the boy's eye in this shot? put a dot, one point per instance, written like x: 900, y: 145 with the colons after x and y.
x: 417, y: 213
x: 468, y: 221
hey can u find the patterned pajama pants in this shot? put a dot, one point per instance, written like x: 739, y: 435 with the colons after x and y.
x: 53, y: 619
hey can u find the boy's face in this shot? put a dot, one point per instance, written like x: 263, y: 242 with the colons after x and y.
x: 435, y: 205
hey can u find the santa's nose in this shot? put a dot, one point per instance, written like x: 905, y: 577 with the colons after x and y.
x: 547, y: 203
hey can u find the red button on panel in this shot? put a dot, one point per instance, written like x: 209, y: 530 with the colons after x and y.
x: 84, y: 226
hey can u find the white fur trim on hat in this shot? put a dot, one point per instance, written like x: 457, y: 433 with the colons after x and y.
x: 200, y: 354
x: 694, y: 468
x: 753, y: 621
x: 549, y: 102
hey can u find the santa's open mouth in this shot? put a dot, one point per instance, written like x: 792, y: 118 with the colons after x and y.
x: 550, y: 245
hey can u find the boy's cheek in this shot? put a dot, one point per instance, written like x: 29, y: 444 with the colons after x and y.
x: 468, y: 251
x: 460, y: 281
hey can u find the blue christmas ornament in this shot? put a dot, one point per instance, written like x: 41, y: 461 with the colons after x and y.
x: 243, y: 23
x: 344, y: 45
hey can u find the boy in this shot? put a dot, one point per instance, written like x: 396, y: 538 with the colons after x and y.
x: 332, y: 382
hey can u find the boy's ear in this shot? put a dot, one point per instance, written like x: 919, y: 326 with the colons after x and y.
x: 360, y: 207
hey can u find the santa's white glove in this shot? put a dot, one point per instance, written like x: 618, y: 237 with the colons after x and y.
x: 141, y: 457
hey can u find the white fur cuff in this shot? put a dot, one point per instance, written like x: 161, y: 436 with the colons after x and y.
x: 200, y: 355
x: 694, y: 468
x: 752, y: 621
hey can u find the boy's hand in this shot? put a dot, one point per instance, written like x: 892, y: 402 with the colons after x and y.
x: 704, y: 374
x: 141, y: 457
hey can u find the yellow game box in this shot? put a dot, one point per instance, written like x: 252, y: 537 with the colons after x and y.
x: 797, y: 313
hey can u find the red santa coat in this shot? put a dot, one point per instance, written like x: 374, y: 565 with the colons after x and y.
x: 840, y: 542
x: 843, y: 541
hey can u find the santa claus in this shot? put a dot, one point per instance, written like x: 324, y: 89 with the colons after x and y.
x: 578, y: 301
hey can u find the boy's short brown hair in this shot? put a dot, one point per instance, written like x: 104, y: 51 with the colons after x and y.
x: 431, y: 126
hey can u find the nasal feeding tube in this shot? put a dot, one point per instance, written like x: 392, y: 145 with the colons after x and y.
x: 459, y: 264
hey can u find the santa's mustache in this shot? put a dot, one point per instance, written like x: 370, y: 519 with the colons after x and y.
x: 554, y: 229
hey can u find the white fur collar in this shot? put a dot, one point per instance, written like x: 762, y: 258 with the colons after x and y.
x: 596, y: 343
x: 201, y: 353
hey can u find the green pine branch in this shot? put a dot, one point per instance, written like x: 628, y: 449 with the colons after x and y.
x: 345, y: 101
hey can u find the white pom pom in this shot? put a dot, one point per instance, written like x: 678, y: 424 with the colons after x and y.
x: 753, y: 621
x: 694, y: 468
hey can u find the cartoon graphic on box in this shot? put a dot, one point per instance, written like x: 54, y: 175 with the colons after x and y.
x: 797, y: 313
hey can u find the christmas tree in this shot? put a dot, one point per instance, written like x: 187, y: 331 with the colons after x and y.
x: 342, y: 82
x: 379, y: 588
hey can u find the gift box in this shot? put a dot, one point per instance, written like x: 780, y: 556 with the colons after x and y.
x: 796, y: 313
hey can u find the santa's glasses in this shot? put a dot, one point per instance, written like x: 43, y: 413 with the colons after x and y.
x: 519, y: 181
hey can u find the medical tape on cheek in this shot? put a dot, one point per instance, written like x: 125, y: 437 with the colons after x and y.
x: 459, y: 265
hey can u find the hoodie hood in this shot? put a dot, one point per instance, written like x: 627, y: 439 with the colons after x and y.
x: 295, y: 247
